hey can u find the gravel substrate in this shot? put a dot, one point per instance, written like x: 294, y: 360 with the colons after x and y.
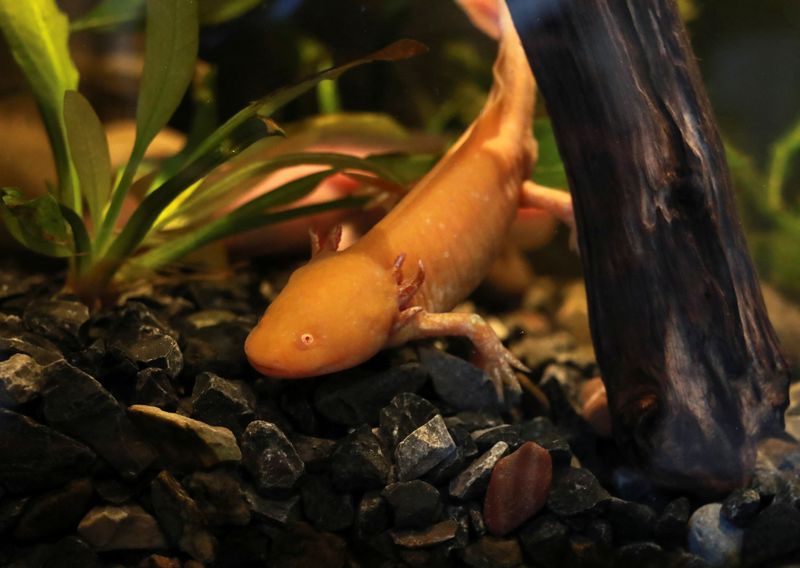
x: 139, y: 436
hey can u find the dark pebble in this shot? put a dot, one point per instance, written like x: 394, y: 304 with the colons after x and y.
x: 58, y: 320
x: 767, y: 481
x: 772, y: 535
x: 353, y: 400
x: 326, y: 508
x: 472, y: 420
x: 280, y: 511
x: 154, y: 388
x: 473, y: 481
x: 423, y: 449
x: 42, y: 350
x: 221, y: 402
x: 220, y: 498
x: 46, y: 459
x: 10, y: 510
x: 631, y: 521
x: 404, y: 414
x: 181, y: 519
x: 741, y: 506
x: 544, y: 541
x: 492, y: 552
x: 789, y: 491
x: 21, y: 380
x: 455, y: 462
x: 71, y: 552
x: 247, y: 546
x: 460, y: 384
x: 124, y: 527
x: 414, y: 504
x: 671, y: 525
x: 270, y: 458
x: 641, y: 555
x: 216, y: 349
x: 477, y: 522
x: 55, y: 512
x: 543, y: 432
x: 600, y: 532
x: 358, y: 462
x: 372, y: 515
x: 302, y: 546
x: 575, y: 491
x: 508, y: 433
x: 315, y: 452
x: 430, y: 536
x: 78, y: 405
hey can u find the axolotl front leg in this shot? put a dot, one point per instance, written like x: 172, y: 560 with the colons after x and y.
x: 414, y: 322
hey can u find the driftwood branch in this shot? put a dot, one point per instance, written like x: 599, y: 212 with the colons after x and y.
x: 690, y: 361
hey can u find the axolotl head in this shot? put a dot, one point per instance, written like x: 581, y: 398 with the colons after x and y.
x: 334, y: 313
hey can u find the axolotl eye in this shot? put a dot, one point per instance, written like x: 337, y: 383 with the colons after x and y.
x: 305, y: 340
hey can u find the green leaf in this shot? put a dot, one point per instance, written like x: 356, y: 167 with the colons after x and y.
x: 233, y: 225
x: 206, y: 199
x: 37, y: 223
x: 110, y: 13
x: 89, y: 148
x: 170, y: 54
x: 549, y: 170
x: 218, y: 11
x: 266, y: 106
x: 37, y: 33
x: 782, y: 155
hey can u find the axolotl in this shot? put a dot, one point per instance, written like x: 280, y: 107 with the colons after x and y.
x: 344, y: 306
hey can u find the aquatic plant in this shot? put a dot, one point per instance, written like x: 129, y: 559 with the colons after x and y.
x: 80, y: 216
x: 770, y: 207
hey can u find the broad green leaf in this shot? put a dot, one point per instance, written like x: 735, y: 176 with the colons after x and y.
x: 110, y: 13
x: 37, y: 33
x: 170, y: 54
x: 36, y: 223
x: 82, y: 246
x: 89, y: 148
x: 549, y: 169
x: 266, y: 106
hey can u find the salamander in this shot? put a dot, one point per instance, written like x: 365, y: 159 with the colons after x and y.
x: 399, y: 280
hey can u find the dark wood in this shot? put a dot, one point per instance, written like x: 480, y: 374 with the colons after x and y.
x: 691, y: 363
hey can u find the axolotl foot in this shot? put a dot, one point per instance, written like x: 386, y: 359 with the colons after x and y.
x: 492, y: 356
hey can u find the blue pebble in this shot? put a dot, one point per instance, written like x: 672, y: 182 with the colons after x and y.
x: 713, y: 538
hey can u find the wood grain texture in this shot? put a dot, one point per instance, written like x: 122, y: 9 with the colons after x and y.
x: 691, y: 363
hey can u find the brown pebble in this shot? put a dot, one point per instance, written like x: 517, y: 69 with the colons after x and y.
x: 518, y: 488
x: 594, y: 401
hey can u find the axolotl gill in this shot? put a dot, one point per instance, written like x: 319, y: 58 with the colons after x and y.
x: 427, y: 254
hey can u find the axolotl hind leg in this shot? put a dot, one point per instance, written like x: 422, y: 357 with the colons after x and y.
x: 556, y: 202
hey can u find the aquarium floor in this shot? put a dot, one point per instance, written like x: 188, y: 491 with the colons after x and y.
x: 139, y: 436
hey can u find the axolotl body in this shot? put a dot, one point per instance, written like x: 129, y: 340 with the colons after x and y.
x: 344, y: 306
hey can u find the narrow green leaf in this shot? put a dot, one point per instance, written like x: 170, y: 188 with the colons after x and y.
x: 37, y: 33
x: 36, y: 223
x: 266, y: 106
x: 82, y: 246
x: 89, y: 148
x: 109, y: 13
x: 206, y: 199
x: 283, y: 195
x: 170, y: 54
x: 233, y: 225
x: 218, y: 11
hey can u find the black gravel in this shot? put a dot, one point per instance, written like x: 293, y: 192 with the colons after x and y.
x: 139, y: 436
